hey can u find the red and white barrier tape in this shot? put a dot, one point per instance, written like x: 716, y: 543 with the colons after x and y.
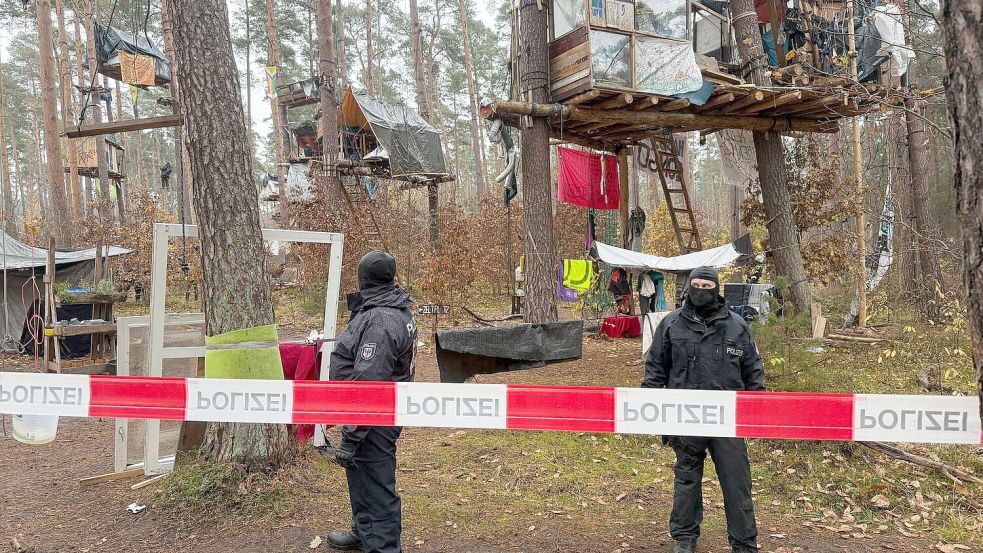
x: 782, y: 415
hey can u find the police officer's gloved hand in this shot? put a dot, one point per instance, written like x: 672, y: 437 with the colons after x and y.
x: 344, y: 454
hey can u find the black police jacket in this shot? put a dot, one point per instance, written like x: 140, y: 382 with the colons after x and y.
x: 718, y: 354
x: 378, y: 344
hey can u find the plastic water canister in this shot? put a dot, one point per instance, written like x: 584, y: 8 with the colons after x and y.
x: 35, y: 429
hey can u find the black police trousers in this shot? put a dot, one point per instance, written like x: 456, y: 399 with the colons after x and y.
x: 376, y: 507
x: 730, y: 459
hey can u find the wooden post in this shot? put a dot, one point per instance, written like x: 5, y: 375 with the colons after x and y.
x: 858, y: 177
x: 776, y: 26
x: 623, y: 184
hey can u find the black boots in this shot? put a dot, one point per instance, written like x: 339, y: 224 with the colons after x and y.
x: 344, y: 540
x: 685, y: 546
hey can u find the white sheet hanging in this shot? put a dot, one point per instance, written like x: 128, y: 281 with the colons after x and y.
x: 620, y: 257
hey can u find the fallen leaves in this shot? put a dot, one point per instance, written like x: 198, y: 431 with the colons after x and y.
x: 951, y: 548
x: 880, y: 502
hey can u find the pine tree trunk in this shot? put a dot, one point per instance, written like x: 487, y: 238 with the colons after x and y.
x: 368, y: 47
x: 962, y: 31
x: 55, y: 226
x: 279, y: 121
x: 249, y: 79
x: 95, y: 107
x: 342, y: 58
x: 479, y: 164
x: 8, y: 198
x: 233, y: 256
x: 783, y: 236
x: 67, y: 111
x: 926, y: 234
x: 180, y: 184
x: 423, y: 106
x: 537, y: 204
x: 329, y: 102
x: 20, y: 188
x: 905, y: 247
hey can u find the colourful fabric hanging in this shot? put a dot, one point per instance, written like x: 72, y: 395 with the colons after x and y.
x: 585, y: 181
x: 136, y: 69
x: 562, y: 292
x: 577, y: 274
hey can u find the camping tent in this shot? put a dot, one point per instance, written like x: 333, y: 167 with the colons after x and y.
x: 412, y: 144
x: 20, y: 261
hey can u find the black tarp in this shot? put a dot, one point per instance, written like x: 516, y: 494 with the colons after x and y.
x: 110, y: 41
x: 413, y: 144
x: 72, y: 347
x: 462, y: 354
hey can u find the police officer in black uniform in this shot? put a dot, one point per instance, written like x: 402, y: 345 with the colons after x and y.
x: 705, y: 346
x: 378, y: 344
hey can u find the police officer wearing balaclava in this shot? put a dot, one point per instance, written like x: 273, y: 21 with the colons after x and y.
x: 378, y: 345
x: 705, y: 346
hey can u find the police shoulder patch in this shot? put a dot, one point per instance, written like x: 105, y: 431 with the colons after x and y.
x: 368, y: 351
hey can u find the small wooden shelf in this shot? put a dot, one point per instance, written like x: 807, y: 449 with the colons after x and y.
x: 64, y: 331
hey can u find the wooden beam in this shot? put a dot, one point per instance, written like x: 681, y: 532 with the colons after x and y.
x: 818, y: 103
x: 675, y: 105
x: 568, y: 138
x: 128, y: 473
x: 661, y: 119
x: 718, y: 100
x: 776, y: 26
x: 775, y: 102
x: 753, y: 98
x: 583, y: 97
x: 618, y: 101
x: 645, y: 103
x: 125, y: 125
x: 623, y: 185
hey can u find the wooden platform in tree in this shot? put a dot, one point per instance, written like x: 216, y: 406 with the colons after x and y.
x: 605, y: 119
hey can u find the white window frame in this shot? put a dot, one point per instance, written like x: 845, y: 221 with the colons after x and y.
x: 158, y: 319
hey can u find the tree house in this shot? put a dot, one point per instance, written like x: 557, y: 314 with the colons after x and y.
x: 88, y: 165
x: 623, y: 70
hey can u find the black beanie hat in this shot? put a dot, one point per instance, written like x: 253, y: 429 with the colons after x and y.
x: 376, y: 268
x: 705, y: 273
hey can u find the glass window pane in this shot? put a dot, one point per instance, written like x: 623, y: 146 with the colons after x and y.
x: 610, y: 58
x: 662, y: 17
x: 567, y: 16
x: 597, y: 12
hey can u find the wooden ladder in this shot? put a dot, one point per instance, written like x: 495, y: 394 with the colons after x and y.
x: 672, y: 175
x: 361, y: 208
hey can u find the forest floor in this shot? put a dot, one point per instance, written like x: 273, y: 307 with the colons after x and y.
x: 513, y: 491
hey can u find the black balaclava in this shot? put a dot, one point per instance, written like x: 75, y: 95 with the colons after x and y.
x: 703, y: 301
x: 376, y: 269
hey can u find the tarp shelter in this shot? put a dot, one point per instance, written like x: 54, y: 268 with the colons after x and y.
x: 464, y: 353
x: 412, y: 143
x: 19, y: 261
x: 627, y: 259
x: 110, y: 42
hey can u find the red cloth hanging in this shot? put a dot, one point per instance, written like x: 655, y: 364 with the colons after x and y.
x: 301, y: 363
x: 764, y: 14
x: 581, y: 180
